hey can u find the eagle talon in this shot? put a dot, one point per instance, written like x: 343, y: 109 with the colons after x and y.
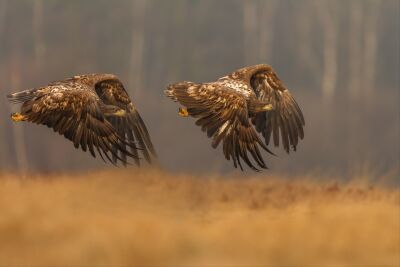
x: 120, y: 113
x: 17, y: 117
x: 268, y: 107
x: 183, y: 112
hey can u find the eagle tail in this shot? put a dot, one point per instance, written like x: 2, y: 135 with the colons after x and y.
x: 22, y: 96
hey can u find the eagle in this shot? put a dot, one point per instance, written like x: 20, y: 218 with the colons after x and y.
x: 237, y: 108
x: 93, y: 111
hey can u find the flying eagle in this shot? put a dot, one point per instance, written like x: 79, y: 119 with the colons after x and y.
x: 93, y: 111
x: 237, y: 106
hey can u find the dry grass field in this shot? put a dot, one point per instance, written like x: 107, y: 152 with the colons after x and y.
x: 152, y: 218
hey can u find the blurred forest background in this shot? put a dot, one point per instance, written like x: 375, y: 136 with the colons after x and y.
x: 340, y: 59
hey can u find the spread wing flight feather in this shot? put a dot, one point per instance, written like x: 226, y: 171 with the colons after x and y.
x: 223, y: 115
x: 83, y: 110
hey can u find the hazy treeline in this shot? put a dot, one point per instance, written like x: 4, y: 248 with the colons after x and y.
x: 340, y: 59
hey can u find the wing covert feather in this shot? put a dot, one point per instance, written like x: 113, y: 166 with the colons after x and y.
x: 76, y: 114
x: 131, y: 127
x: 285, y: 122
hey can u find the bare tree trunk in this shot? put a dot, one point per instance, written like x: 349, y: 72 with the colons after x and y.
x: 3, y: 158
x: 306, y: 24
x: 329, y: 75
x: 266, y: 29
x: 370, y: 49
x: 329, y: 68
x: 137, y: 48
x: 355, y: 49
x: 18, y: 128
x: 355, y: 84
x: 179, y: 36
x: 37, y: 19
x: 3, y: 8
x: 250, y: 32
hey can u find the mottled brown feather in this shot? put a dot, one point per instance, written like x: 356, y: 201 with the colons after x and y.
x: 131, y: 128
x: 223, y: 114
x: 285, y: 121
x: 223, y: 110
x: 73, y: 108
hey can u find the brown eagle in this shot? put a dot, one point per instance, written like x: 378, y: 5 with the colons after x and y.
x: 93, y: 111
x: 235, y: 107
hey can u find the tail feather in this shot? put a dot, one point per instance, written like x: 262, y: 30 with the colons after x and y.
x: 22, y: 96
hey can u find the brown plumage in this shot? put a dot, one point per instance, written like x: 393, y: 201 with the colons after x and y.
x: 93, y: 111
x: 237, y: 106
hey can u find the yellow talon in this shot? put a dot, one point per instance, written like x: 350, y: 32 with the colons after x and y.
x: 17, y: 117
x: 268, y: 107
x: 183, y: 112
x: 115, y: 112
x: 120, y: 113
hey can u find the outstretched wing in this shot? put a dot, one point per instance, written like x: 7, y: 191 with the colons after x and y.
x: 130, y: 126
x: 74, y: 112
x: 286, y: 117
x: 223, y: 114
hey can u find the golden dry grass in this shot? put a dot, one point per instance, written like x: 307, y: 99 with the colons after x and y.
x: 152, y: 218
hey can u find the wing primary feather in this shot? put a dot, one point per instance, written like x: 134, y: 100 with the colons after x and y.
x: 131, y: 139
